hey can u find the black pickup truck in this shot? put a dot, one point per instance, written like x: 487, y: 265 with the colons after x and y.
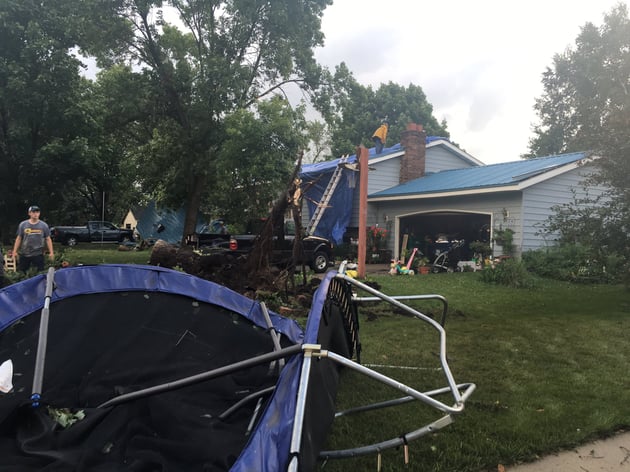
x: 92, y: 232
x: 318, y: 252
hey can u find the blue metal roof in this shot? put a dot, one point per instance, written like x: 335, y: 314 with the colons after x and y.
x: 488, y: 176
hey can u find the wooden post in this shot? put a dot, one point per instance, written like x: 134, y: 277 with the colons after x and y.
x: 362, y: 158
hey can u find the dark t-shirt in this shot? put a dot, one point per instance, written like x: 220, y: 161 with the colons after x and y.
x: 33, y: 237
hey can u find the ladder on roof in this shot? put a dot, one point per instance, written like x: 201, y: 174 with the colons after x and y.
x: 326, y: 196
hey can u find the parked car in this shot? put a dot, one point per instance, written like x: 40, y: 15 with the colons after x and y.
x: 92, y: 232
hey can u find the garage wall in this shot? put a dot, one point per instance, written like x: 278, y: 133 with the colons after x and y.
x: 539, y: 200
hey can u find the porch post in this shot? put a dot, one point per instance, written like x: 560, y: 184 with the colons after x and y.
x: 362, y: 157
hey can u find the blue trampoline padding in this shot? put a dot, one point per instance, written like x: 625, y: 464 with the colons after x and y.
x: 268, y: 448
x: 26, y: 297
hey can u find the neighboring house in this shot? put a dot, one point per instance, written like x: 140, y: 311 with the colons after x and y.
x: 153, y: 223
x: 439, y: 192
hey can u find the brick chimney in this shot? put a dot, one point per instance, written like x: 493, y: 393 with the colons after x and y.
x: 412, y: 164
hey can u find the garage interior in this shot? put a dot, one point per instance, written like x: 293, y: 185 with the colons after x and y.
x: 434, y: 232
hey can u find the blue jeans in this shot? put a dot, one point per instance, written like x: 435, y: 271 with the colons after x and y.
x: 379, y: 145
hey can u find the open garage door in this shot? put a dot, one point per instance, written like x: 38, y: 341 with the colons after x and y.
x: 434, y: 232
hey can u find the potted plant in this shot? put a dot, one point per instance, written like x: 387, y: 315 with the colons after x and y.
x: 423, y: 265
x: 480, y: 249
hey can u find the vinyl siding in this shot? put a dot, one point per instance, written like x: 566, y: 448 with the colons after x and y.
x: 539, y: 201
x: 440, y: 158
x: 386, y: 174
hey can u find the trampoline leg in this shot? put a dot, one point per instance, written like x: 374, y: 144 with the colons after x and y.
x: 298, y: 419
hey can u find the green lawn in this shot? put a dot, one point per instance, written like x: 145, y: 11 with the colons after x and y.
x: 550, y: 364
x: 87, y: 254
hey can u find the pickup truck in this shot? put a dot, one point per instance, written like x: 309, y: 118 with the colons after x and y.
x: 318, y: 252
x: 92, y: 232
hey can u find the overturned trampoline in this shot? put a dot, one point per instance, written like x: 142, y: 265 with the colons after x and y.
x: 134, y: 368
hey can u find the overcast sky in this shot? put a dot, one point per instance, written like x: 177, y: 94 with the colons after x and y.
x: 479, y: 63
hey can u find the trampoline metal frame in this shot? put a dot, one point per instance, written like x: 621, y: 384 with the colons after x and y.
x: 459, y: 392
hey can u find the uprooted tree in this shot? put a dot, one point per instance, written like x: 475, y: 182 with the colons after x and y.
x: 253, y: 272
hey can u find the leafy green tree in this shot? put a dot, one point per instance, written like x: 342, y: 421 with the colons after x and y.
x: 586, y: 107
x: 222, y: 58
x: 353, y: 111
x: 586, y: 99
x: 258, y: 153
x: 40, y: 125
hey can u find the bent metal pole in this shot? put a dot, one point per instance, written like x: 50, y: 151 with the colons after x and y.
x: 40, y: 357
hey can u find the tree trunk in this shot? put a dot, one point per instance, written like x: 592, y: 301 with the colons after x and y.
x: 193, y: 202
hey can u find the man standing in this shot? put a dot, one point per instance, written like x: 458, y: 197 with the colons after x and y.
x: 31, y: 236
x: 380, y: 136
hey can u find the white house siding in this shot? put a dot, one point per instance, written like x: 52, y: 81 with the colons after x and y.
x: 503, y: 208
x: 539, y: 200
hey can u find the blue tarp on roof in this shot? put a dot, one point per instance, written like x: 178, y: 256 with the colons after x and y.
x: 494, y: 175
x: 315, y: 178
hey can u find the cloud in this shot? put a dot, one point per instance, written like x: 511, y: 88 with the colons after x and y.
x: 479, y: 63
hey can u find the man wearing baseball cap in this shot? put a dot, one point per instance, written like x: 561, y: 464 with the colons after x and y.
x: 31, y: 236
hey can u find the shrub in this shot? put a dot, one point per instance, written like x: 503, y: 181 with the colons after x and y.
x: 511, y: 273
x: 575, y: 263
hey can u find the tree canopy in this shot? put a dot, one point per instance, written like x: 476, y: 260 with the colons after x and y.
x: 45, y: 122
x: 354, y: 111
x: 176, y: 77
x: 219, y: 60
x: 187, y: 107
x: 586, y: 107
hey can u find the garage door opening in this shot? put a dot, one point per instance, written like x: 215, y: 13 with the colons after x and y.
x: 433, y: 233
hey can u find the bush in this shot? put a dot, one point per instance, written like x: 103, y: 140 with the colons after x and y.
x: 574, y: 263
x: 511, y: 273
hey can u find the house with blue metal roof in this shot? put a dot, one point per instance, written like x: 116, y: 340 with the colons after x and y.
x: 428, y: 193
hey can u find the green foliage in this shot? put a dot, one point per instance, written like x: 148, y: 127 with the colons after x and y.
x: 205, y: 78
x: 376, y: 237
x: 353, y: 111
x: 576, y: 263
x: 592, y: 232
x: 585, y: 101
x: 481, y: 248
x: 585, y: 106
x: 40, y: 121
x: 510, y: 272
x: 505, y: 239
x: 256, y: 159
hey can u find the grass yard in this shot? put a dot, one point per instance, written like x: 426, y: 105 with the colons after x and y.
x: 550, y: 364
x: 88, y: 254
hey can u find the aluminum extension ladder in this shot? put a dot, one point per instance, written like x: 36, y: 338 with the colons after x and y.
x: 326, y: 196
